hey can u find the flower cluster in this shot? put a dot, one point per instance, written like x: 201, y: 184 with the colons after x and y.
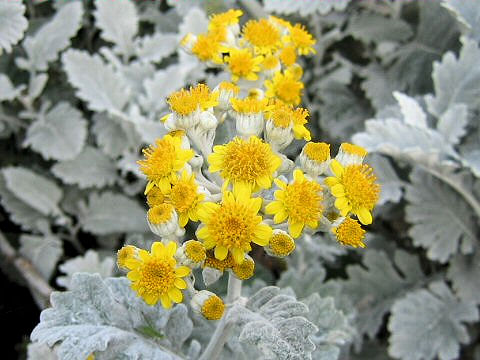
x: 243, y: 192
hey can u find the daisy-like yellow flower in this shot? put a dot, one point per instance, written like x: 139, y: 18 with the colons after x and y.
x: 262, y: 35
x: 245, y: 163
x: 185, y: 198
x: 231, y: 227
x: 249, y: 105
x: 224, y: 19
x: 155, y: 275
x: 315, y: 158
x: 300, y: 202
x: 242, y: 64
x: 355, y: 190
x: 284, y: 115
x: 285, y: 86
x: 125, y: 253
x: 207, y: 48
x: 245, y: 270
x: 288, y: 55
x: 155, y: 197
x: 163, y: 161
x: 350, y: 232
x: 185, y: 102
x: 281, y: 244
x: 301, y: 39
x: 208, y: 304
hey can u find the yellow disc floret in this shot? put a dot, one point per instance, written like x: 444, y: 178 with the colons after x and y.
x: 281, y: 114
x: 231, y: 227
x: 156, y: 276
x: 213, y: 308
x: 353, y: 149
x: 262, y: 35
x: 212, y: 262
x: 281, y: 244
x: 300, y: 202
x: 243, y: 64
x: 285, y: 86
x: 245, y: 270
x: 350, y: 232
x: 195, y: 251
x: 163, y: 161
x: 355, y: 190
x: 301, y: 39
x: 155, y: 197
x: 125, y: 253
x: 160, y: 214
x: 249, y: 105
x: 319, y: 152
x: 288, y: 55
x: 207, y: 48
x: 185, y: 102
x: 245, y: 163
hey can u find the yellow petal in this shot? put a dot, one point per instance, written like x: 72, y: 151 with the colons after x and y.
x: 280, y: 216
x: 263, y: 233
x: 242, y: 190
x: 151, y: 299
x: 149, y: 187
x: 364, y: 216
x: 295, y: 229
x: 338, y: 190
x: 265, y: 182
x: 342, y: 203
x: 203, y: 233
x: 157, y: 249
x: 180, y: 283
x: 182, y: 271
x: 238, y: 255
x: 280, y: 184
x: 221, y: 252
x: 331, y: 181
x: 274, y: 207
x: 298, y: 175
x: 166, y: 302
x: 175, y: 294
x: 133, y: 275
x: 337, y: 168
x: 171, y: 249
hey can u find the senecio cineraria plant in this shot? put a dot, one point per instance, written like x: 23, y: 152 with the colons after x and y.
x: 245, y: 192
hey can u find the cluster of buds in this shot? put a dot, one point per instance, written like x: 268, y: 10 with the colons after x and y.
x: 243, y: 192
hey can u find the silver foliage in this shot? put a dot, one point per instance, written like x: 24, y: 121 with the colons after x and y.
x: 12, y: 23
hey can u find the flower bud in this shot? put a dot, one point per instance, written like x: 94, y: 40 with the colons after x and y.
x: 281, y: 244
x: 208, y: 304
x: 192, y: 253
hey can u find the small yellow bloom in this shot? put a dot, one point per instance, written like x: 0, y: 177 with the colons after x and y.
x: 156, y: 276
x: 355, y: 190
x: 350, y: 154
x: 249, y: 105
x: 155, y: 197
x: 212, y: 262
x: 300, y: 202
x: 281, y: 244
x: 288, y: 55
x: 245, y: 163
x: 271, y: 63
x: 224, y: 19
x: 315, y: 158
x: 125, y: 253
x: 195, y: 251
x: 301, y: 39
x: 285, y: 86
x: 242, y: 64
x: 198, y: 98
x: 285, y: 116
x: 163, y: 162
x: 350, y: 232
x: 245, y: 270
x: 208, y: 304
x: 262, y: 35
x: 207, y: 48
x: 231, y: 227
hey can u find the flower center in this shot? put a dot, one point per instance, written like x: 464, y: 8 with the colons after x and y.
x: 282, y: 244
x: 249, y: 105
x: 160, y: 214
x: 288, y: 55
x: 241, y: 62
x: 183, y: 196
x: 157, y: 276
x: 303, y: 201
x: 300, y: 37
x: 155, y: 197
x: 206, y: 47
x: 244, y: 270
x: 262, y: 34
x: 319, y: 152
x: 360, y: 187
x: 288, y: 89
x: 213, y: 308
x: 270, y: 62
x: 281, y: 115
x: 195, y: 251
x: 349, y: 232
x: 159, y: 160
x: 185, y: 102
x: 354, y: 149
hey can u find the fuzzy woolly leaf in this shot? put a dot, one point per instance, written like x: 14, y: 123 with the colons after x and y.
x: 88, y: 263
x: 456, y: 79
x: 113, y: 213
x: 412, y: 112
x: 7, y: 90
x: 304, y: 283
x: 59, y: 135
x: 91, y: 168
x: 38, y: 192
x: 97, y: 84
x: 108, y: 318
x: 441, y: 219
x: 305, y: 7
x: 274, y: 323
x: 429, y: 323
x: 464, y: 272
x: 54, y: 36
x: 468, y: 14
x: 110, y: 135
x: 453, y: 122
x: 374, y: 286
x: 36, y: 351
x: 118, y: 21
x: 391, y: 186
x: 12, y: 23
x: 156, y: 47
x: 371, y: 27
x: 42, y: 251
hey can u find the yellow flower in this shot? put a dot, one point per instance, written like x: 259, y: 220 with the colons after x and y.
x: 155, y: 197
x: 231, y: 227
x: 271, y: 63
x: 163, y: 161
x: 212, y: 262
x: 156, y: 276
x: 198, y: 98
x: 350, y: 232
x: 288, y: 56
x: 162, y: 219
x: 243, y: 64
x: 224, y: 19
x: 185, y: 198
x: 207, y: 48
x: 281, y: 244
x: 301, y: 39
x: 245, y: 163
x: 315, y: 158
x: 245, y: 270
x: 355, y: 190
x: 249, y: 105
x: 285, y: 86
x: 262, y: 35
x: 350, y: 154
x: 285, y: 116
x: 300, y: 202
x: 208, y: 304
x: 195, y: 251
x: 125, y: 253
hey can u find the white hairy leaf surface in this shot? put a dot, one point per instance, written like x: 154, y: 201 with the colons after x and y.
x: 441, y: 220
x: 110, y: 134
x: 91, y: 168
x: 54, y: 36
x: 156, y: 47
x: 59, y: 135
x: 88, y: 263
x: 412, y: 112
x: 372, y: 27
x: 36, y: 351
x: 455, y: 79
x: 42, y: 251
x: 453, y: 123
x: 427, y: 324
x: 464, y: 272
x: 7, y: 90
x: 305, y: 7
x: 38, y: 192
x: 12, y: 23
x: 468, y: 14
x: 109, y: 213
x: 118, y: 22
x: 108, y: 318
x: 391, y: 187
x: 98, y: 84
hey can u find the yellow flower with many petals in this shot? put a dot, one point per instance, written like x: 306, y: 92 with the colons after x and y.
x: 232, y: 226
x: 243, y: 64
x: 288, y: 55
x: 198, y: 98
x: 284, y: 115
x: 285, y: 86
x: 207, y: 48
x: 245, y: 163
x: 262, y: 35
x: 155, y: 275
x: 224, y: 19
x: 350, y: 232
x: 355, y: 190
x: 185, y: 198
x: 301, y: 39
x: 300, y: 202
x: 163, y: 161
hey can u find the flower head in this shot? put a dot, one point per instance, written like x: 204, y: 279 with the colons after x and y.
x: 288, y: 55
x: 262, y: 35
x: 300, y: 202
x: 155, y: 197
x: 224, y: 19
x: 196, y: 99
x: 245, y: 270
x: 162, y: 219
x: 208, y: 304
x: 281, y: 244
x: 207, y: 48
x: 243, y: 64
x: 350, y: 154
x: 315, y: 158
x: 192, y: 253
x: 127, y: 252
x: 355, y: 190
x: 231, y: 227
x: 245, y: 163
x: 301, y: 39
x: 155, y: 275
x: 163, y: 161
x: 285, y: 86
x: 350, y: 232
